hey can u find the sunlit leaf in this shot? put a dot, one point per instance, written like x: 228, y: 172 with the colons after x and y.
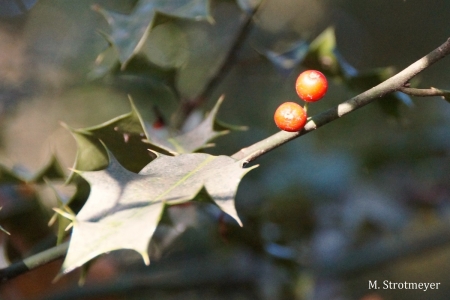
x: 124, y: 208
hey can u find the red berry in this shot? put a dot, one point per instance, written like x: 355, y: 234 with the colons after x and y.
x: 311, y: 85
x: 290, y: 116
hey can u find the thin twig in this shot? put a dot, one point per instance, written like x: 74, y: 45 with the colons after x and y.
x: 188, y: 105
x: 425, y: 92
x: 395, y: 83
x: 33, y: 262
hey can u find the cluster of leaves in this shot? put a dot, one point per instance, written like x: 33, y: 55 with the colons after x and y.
x: 129, y: 32
x: 124, y: 207
x: 127, y: 171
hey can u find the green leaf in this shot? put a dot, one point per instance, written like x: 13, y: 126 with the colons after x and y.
x: 122, y: 135
x: 129, y: 32
x: 124, y: 208
x: 140, y: 66
x: 52, y: 170
x: 140, y: 79
x: 91, y: 154
x: 321, y: 54
x: 167, y: 46
x: 194, y: 140
x: 105, y: 62
x: 144, y: 80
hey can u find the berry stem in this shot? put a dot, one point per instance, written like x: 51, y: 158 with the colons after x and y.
x: 305, y: 108
x: 395, y: 83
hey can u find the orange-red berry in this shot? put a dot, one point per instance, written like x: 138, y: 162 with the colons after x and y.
x: 311, y: 85
x: 290, y: 116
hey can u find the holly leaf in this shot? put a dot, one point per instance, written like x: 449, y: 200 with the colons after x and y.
x: 90, y: 152
x: 52, y: 170
x: 122, y: 135
x: 321, y: 54
x: 124, y: 208
x: 140, y: 78
x: 194, y: 140
x: 286, y: 61
x: 145, y: 81
x: 105, y: 63
x: 129, y: 32
x: 167, y: 46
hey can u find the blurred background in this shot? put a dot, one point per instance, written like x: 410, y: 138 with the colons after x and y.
x: 364, y: 198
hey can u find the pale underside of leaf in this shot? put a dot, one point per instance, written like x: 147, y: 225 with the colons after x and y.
x: 124, y: 208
